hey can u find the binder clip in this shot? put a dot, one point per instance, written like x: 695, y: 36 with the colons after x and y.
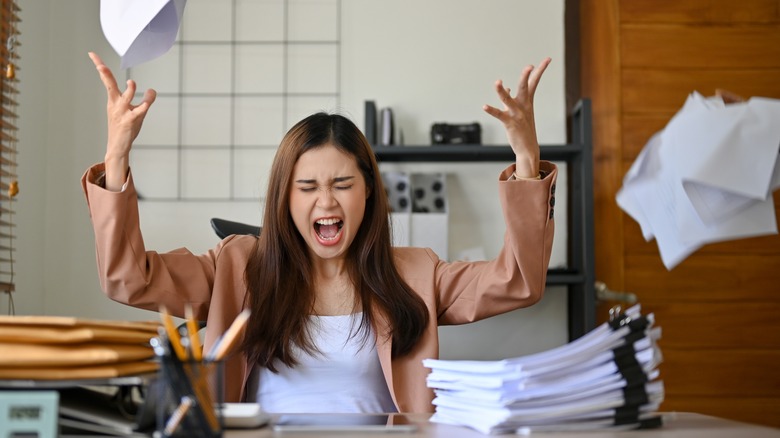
x: 187, y: 407
x: 617, y: 318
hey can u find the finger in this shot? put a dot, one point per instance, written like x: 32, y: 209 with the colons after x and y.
x: 536, y: 75
x: 503, y: 93
x: 142, y: 108
x: 95, y: 59
x: 495, y: 112
x: 105, y: 76
x: 728, y: 96
x: 149, y: 97
x: 522, y: 86
x: 129, y: 93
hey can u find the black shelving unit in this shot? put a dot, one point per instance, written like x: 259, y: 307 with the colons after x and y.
x: 579, y: 276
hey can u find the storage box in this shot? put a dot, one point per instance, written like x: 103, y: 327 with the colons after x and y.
x: 400, y: 197
x: 430, y: 212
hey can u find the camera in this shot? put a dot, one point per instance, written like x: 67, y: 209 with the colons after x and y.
x: 453, y: 133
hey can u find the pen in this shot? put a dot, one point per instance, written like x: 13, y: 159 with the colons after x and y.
x: 235, y: 330
x: 192, y: 329
x: 173, y: 423
x: 173, y: 334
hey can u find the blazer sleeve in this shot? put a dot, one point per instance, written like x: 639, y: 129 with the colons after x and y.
x: 470, y: 291
x: 131, y: 275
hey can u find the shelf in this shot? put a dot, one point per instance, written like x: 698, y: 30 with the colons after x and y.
x: 579, y: 278
x: 467, y: 153
x: 563, y: 277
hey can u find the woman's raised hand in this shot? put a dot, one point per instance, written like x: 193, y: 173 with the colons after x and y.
x: 124, y: 123
x: 518, y: 119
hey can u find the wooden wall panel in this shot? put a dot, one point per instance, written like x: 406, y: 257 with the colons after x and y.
x: 637, y: 130
x: 606, y: 107
x: 689, y: 47
x: 706, y: 279
x: 722, y: 325
x: 722, y: 373
x: 746, y: 408
x: 649, y: 91
x: 700, y: 11
x: 718, y: 308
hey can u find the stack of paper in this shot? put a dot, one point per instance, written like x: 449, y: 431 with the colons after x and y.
x: 604, y: 380
x: 65, y: 348
x: 708, y: 176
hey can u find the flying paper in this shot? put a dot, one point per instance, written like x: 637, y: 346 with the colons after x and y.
x: 140, y: 30
x: 708, y: 176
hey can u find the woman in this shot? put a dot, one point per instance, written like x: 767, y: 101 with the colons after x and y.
x: 340, y: 320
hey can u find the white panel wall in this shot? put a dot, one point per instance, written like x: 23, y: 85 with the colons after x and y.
x: 428, y: 64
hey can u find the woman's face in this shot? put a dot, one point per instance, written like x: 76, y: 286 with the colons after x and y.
x: 327, y: 200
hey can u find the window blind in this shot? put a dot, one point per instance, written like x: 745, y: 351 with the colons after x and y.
x: 9, y: 186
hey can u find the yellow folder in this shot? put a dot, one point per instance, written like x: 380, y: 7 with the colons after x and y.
x: 81, y: 372
x: 36, y: 355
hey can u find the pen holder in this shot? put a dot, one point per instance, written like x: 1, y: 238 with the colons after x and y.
x: 190, y: 396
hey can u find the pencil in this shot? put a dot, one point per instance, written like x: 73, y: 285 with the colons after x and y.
x: 199, y: 385
x: 233, y: 333
x: 192, y: 329
x: 173, y: 423
x: 173, y: 334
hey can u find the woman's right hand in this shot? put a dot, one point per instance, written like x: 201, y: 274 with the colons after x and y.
x: 124, y: 123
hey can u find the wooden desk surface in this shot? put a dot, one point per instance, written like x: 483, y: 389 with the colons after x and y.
x: 676, y: 425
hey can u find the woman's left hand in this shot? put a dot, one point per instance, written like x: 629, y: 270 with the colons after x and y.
x: 518, y: 119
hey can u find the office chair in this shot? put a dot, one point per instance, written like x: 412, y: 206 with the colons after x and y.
x: 225, y: 228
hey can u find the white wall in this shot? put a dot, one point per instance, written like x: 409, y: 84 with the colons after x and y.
x: 429, y: 65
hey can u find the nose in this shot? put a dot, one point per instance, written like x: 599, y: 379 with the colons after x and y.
x: 325, y: 197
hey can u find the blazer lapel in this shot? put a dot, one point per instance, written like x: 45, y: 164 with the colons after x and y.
x: 384, y: 348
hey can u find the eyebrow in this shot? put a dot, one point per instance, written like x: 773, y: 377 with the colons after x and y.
x: 338, y: 179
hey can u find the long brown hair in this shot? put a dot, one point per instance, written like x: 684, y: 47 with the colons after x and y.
x: 279, y: 272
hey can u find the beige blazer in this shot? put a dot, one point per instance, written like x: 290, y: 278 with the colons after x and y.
x: 455, y: 293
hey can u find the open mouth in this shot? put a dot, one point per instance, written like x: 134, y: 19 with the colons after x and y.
x: 328, y: 229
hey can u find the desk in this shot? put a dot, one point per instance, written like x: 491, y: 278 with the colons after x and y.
x: 676, y: 425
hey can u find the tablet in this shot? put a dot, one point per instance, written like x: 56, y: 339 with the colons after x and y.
x: 344, y: 423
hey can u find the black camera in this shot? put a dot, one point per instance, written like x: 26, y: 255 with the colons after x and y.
x: 449, y: 133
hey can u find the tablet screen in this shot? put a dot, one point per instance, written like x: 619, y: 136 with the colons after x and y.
x: 344, y: 422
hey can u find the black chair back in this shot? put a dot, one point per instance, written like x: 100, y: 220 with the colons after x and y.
x: 225, y: 228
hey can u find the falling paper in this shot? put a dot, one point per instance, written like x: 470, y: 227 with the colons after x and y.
x: 140, y: 30
x: 707, y: 176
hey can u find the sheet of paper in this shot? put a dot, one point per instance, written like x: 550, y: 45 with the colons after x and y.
x: 708, y: 176
x: 140, y: 30
x: 732, y: 150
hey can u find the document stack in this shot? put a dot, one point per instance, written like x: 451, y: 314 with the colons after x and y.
x: 605, y: 380
x: 66, y: 348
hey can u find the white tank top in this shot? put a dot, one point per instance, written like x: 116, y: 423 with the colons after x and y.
x: 345, y: 377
